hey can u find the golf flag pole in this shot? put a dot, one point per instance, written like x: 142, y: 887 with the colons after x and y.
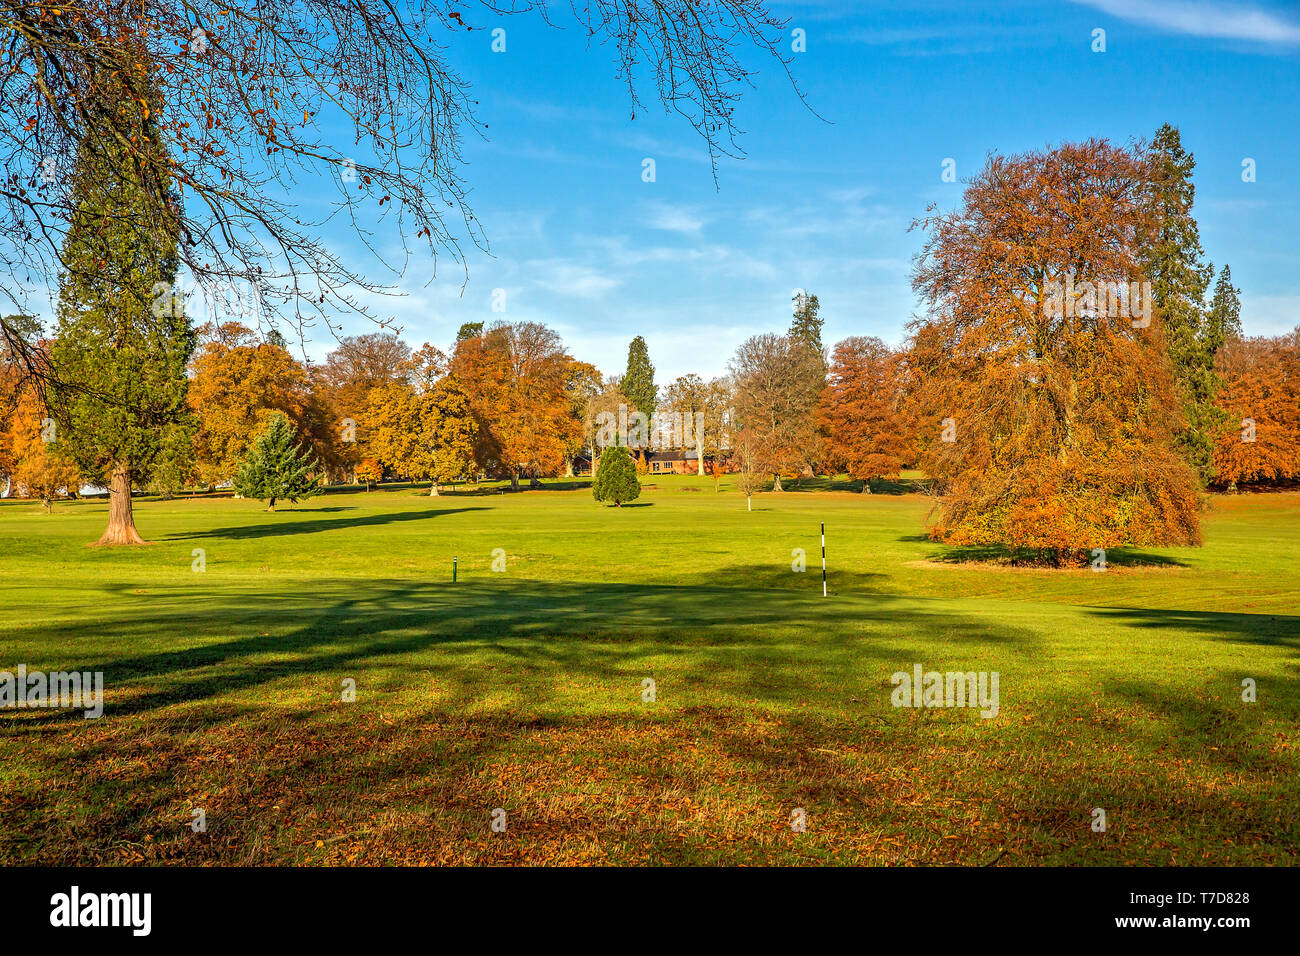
x: 823, y: 559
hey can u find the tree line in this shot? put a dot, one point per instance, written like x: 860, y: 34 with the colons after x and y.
x: 1072, y: 382
x: 147, y: 138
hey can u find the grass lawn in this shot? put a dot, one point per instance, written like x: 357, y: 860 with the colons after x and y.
x: 522, y: 689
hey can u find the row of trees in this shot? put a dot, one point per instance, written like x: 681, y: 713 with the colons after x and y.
x: 509, y: 401
x: 148, y: 138
x: 1064, y: 388
x: 506, y: 401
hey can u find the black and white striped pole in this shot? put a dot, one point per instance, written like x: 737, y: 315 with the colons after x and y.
x: 823, y: 559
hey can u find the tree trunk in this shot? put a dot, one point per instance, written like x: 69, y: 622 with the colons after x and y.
x: 270, y: 505
x: 866, y: 486
x: 749, y: 503
x: 121, y: 521
x: 433, y: 489
x: 514, y: 481
x: 776, y: 483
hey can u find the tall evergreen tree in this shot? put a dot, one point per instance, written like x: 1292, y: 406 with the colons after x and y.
x: 123, y: 338
x: 1179, y: 276
x: 639, y: 381
x: 1224, y: 318
x: 806, y: 326
x: 276, y: 467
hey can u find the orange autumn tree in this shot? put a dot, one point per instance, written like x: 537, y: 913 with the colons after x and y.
x: 370, y: 472
x: 516, y: 376
x: 1042, y: 370
x: 11, y: 387
x: 587, y: 391
x: 858, y: 411
x: 1261, y: 395
x: 38, y: 469
x: 420, y: 424
x: 30, y: 463
x: 237, y: 382
x: 342, y: 387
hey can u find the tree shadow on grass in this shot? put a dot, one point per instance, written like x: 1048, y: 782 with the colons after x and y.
x: 403, y: 776
x: 293, y: 526
x: 584, y: 631
x: 1276, y: 629
x: 995, y: 554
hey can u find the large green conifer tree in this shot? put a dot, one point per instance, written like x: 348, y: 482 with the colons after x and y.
x: 616, y: 478
x: 1179, y: 276
x: 123, y: 339
x: 638, y: 382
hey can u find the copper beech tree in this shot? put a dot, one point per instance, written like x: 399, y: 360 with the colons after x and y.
x: 1041, y: 370
x: 1261, y: 397
x: 859, y: 411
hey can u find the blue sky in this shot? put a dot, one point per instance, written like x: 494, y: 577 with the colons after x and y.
x: 581, y: 243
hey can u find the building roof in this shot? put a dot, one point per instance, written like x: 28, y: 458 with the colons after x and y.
x: 673, y: 454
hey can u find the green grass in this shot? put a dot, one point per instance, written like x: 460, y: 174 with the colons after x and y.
x: 523, y: 689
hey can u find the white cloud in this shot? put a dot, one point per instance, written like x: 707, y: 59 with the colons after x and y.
x: 821, y: 220
x: 852, y: 195
x: 570, y: 278
x: 1203, y: 18
x: 710, y: 261
x: 673, y: 218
